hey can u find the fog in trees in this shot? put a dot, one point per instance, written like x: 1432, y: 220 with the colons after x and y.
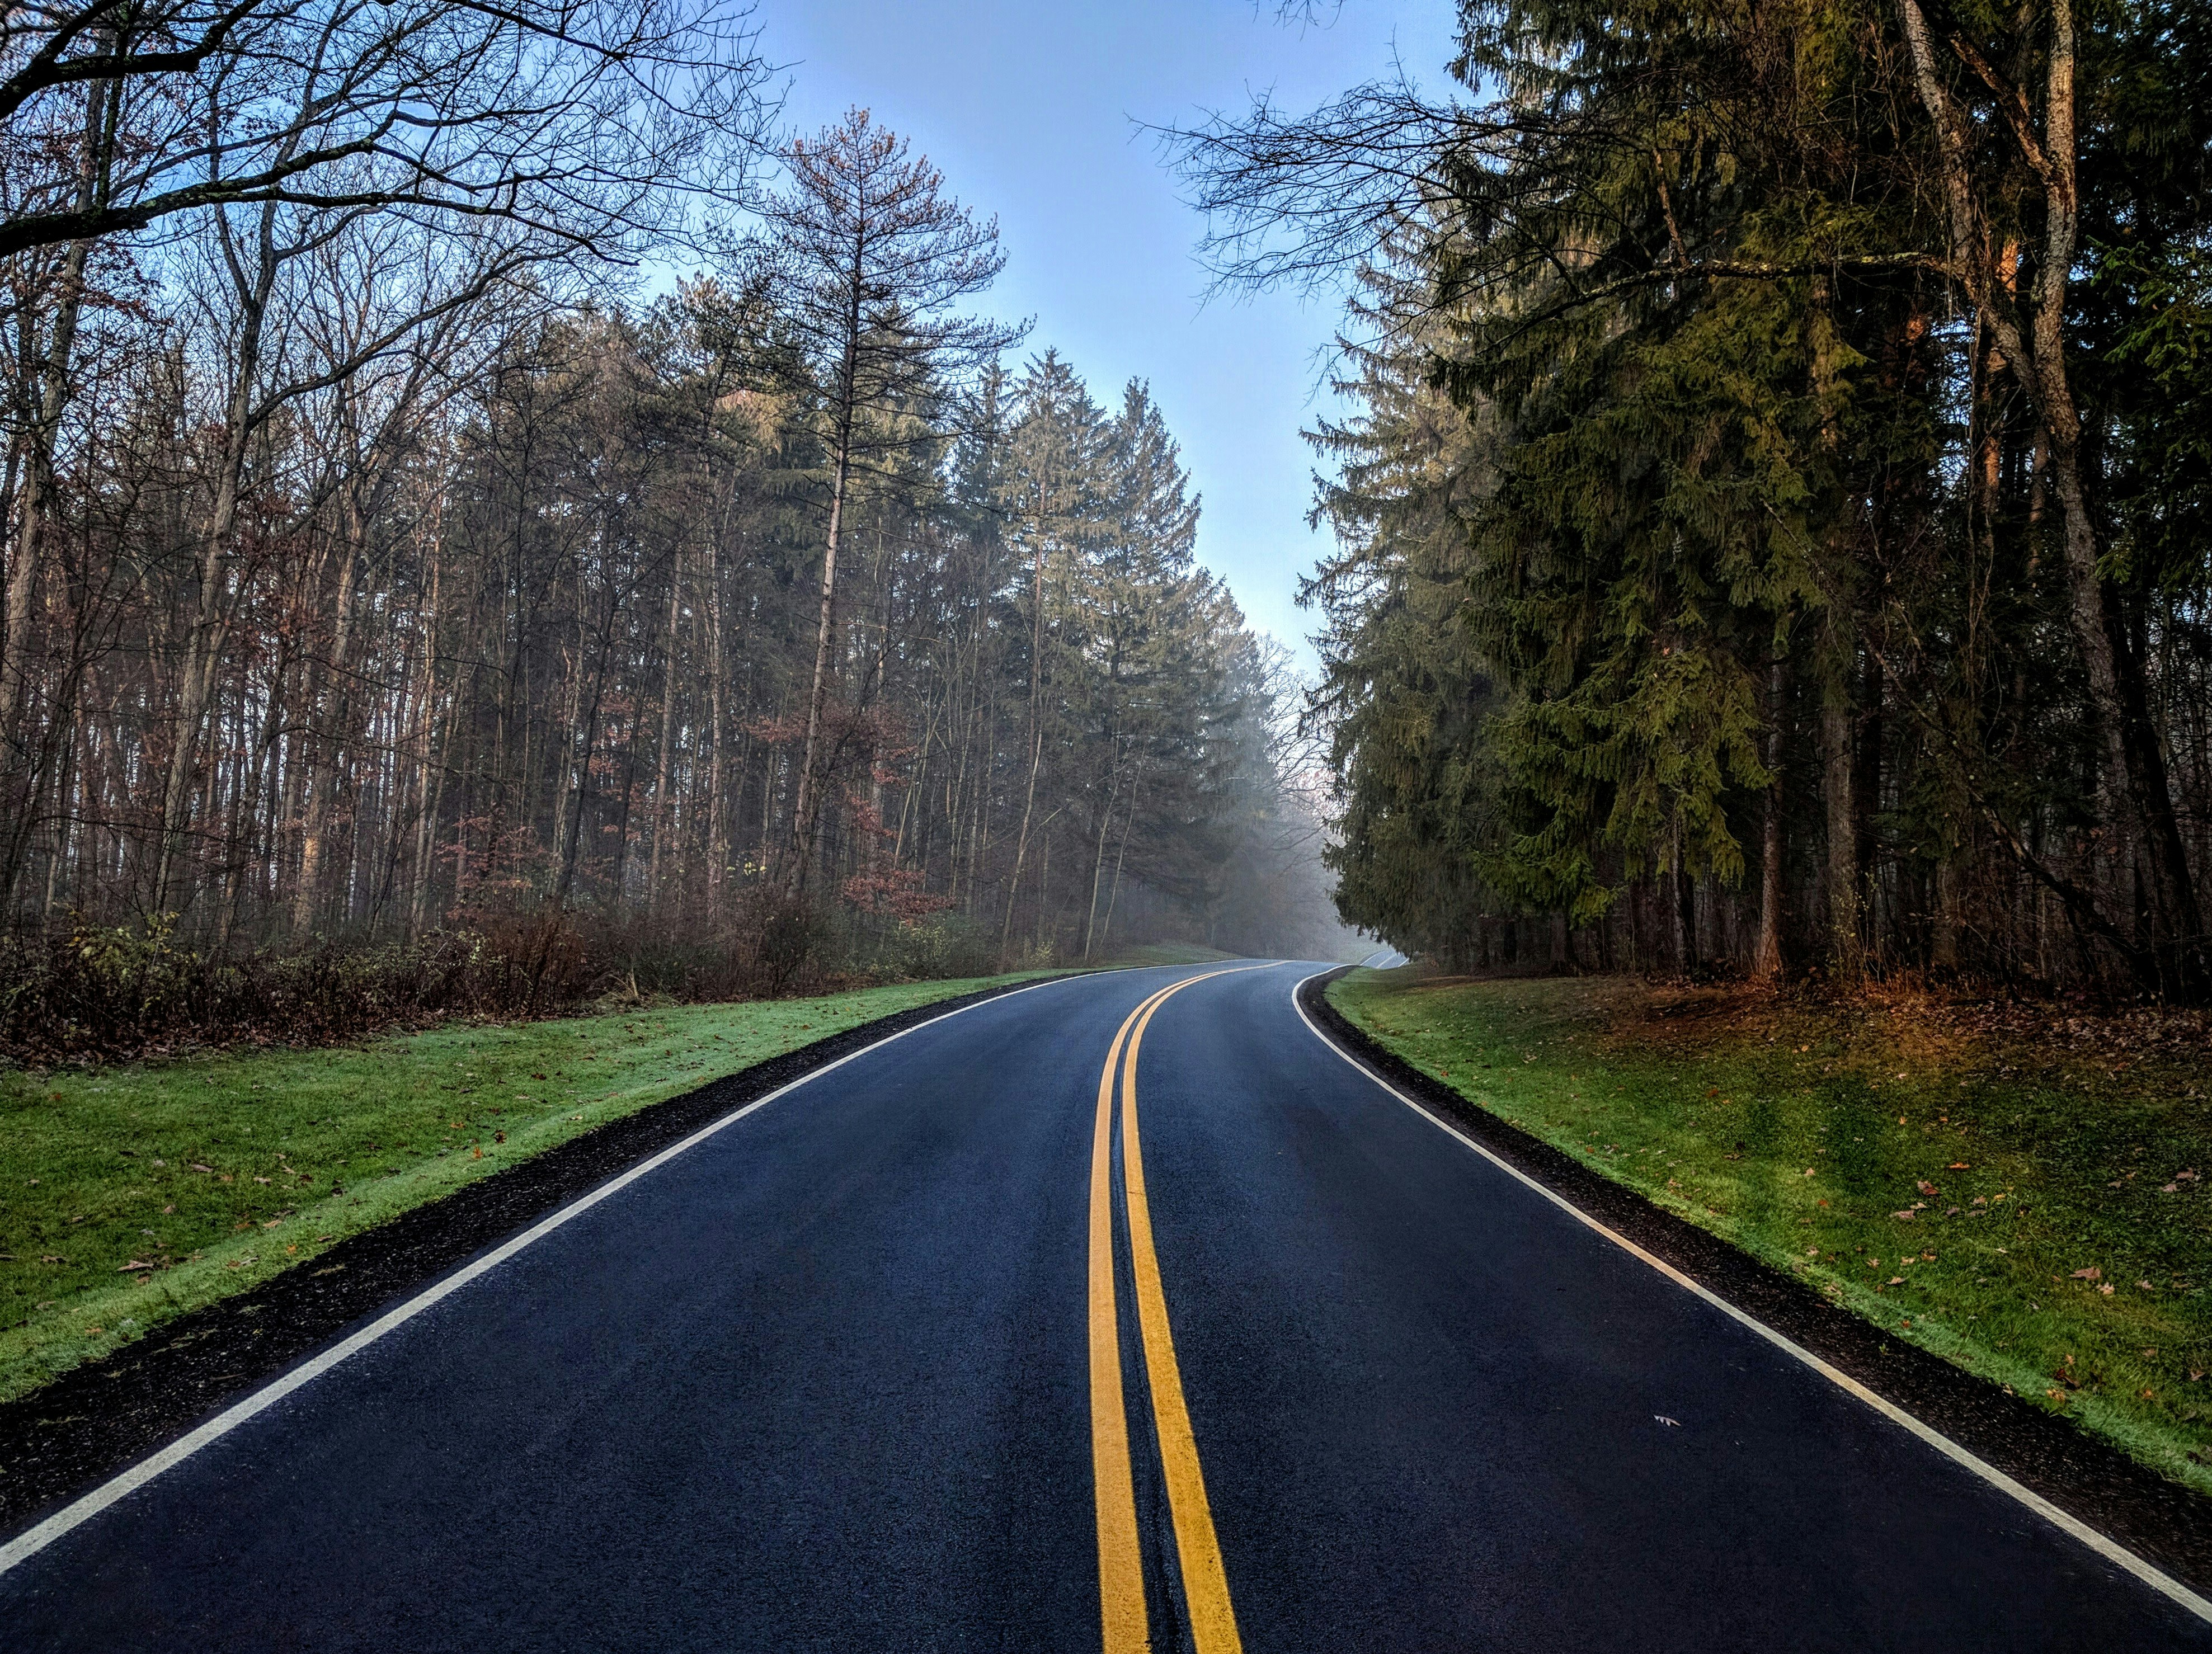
x: 414, y: 598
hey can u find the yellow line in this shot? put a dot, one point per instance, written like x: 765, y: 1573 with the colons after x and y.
x: 1121, y: 1562
x: 1204, y: 1582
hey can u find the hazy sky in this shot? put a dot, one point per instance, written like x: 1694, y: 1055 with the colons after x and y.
x: 1028, y: 109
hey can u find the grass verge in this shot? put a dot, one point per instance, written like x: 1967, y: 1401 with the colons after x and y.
x: 2022, y: 1205
x: 1167, y: 953
x: 131, y: 1195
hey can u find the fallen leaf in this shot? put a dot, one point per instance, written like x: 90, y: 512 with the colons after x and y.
x: 1960, y: 1165
x: 196, y: 1166
x: 133, y: 1267
x: 1906, y: 1214
x: 2093, y: 1273
x: 1808, y: 1171
x: 2107, y: 1289
x: 260, y: 1180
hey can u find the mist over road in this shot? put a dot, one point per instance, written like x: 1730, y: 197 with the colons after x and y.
x: 854, y: 1373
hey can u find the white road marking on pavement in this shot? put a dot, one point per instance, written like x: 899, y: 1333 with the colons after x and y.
x: 2110, y: 1549
x: 33, y: 1540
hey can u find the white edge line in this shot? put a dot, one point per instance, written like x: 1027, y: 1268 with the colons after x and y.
x: 33, y: 1540
x: 2109, y: 1548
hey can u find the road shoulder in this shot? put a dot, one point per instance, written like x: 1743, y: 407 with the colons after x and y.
x: 98, y: 1419
x: 2167, y: 1524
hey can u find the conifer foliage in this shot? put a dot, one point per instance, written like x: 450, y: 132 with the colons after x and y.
x: 388, y: 580
x: 1768, y: 538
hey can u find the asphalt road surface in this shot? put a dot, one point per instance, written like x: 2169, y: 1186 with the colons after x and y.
x: 920, y: 1356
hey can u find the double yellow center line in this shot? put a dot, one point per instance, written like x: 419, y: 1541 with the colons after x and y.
x: 1120, y: 1567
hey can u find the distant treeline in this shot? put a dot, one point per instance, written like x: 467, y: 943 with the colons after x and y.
x: 1775, y: 531
x: 378, y: 574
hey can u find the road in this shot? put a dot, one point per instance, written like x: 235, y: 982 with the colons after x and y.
x: 895, y: 1361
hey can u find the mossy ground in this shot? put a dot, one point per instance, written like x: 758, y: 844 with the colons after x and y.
x: 2024, y: 1205
x: 130, y: 1194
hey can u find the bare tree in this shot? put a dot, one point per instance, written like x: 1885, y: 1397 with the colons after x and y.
x: 579, y: 118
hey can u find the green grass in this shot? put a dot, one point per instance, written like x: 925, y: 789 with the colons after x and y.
x: 1168, y: 953
x: 212, y: 1173
x: 1803, y: 1134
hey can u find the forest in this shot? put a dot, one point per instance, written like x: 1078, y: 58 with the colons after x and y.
x: 1772, y: 516
x: 491, y: 517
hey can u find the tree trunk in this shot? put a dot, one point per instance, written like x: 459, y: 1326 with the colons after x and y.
x: 209, y: 626
x: 1036, y: 743
x: 100, y: 110
x: 1099, y: 861
x: 1106, y: 928
x: 667, y: 740
x: 1684, y: 907
x: 1766, y: 961
x: 1843, y: 869
x: 2176, y: 963
x: 1866, y: 809
x: 326, y: 716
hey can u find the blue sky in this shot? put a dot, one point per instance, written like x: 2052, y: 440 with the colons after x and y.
x: 1028, y: 109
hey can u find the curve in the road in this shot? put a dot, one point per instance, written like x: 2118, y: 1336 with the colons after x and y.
x: 832, y: 1381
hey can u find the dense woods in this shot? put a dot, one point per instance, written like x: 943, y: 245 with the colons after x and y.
x: 1772, y: 530
x: 414, y: 597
